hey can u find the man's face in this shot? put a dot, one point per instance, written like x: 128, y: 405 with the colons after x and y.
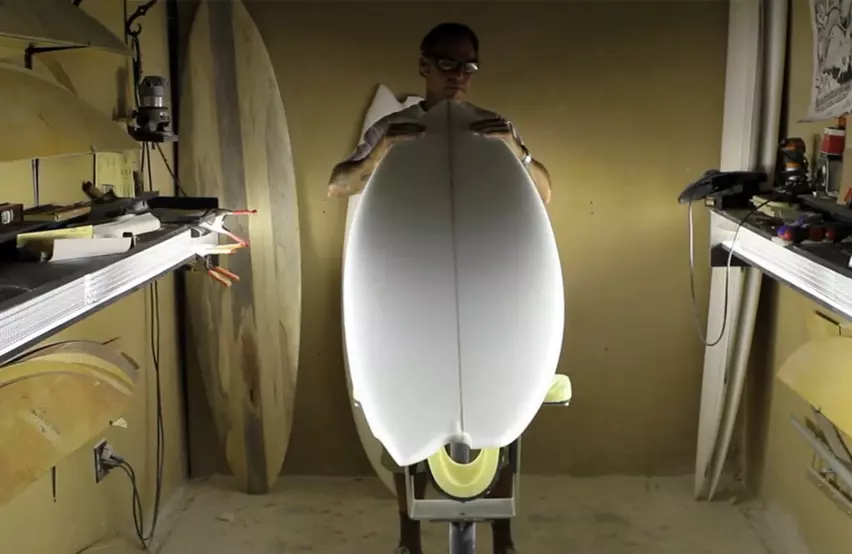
x: 448, y: 69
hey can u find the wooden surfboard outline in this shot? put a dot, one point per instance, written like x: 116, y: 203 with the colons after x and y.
x: 234, y: 145
x: 384, y: 103
x: 50, y: 120
x: 53, y: 402
x: 51, y: 23
x: 818, y: 372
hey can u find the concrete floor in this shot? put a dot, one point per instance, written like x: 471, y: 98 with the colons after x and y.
x: 608, y: 515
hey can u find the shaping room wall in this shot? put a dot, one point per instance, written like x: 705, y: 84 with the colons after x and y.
x: 85, y: 512
x: 623, y: 102
x: 777, y: 456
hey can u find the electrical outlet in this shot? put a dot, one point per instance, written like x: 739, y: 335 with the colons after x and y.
x: 101, y: 451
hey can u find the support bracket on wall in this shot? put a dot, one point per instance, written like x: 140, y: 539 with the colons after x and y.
x: 32, y: 51
x: 141, y: 11
x: 835, y: 480
x: 832, y: 451
x: 822, y: 481
x: 833, y: 438
x: 719, y: 258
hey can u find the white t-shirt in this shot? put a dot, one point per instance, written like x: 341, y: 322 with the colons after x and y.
x: 411, y: 114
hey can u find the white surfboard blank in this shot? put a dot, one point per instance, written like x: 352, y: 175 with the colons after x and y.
x: 452, y: 293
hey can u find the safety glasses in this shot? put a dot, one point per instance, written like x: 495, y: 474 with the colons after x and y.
x: 449, y: 65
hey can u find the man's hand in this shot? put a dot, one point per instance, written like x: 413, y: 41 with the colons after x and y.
x: 345, y: 178
x: 404, y: 130
x: 498, y: 127
x: 493, y: 126
x: 350, y: 177
x: 396, y: 132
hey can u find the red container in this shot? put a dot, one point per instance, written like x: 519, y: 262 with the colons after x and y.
x: 833, y: 141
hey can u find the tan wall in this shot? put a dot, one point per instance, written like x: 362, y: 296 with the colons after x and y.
x: 777, y: 456
x: 85, y: 512
x: 623, y: 102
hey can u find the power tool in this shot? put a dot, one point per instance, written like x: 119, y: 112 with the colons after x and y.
x: 152, y: 118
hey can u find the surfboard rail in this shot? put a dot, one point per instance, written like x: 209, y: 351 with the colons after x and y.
x: 384, y: 103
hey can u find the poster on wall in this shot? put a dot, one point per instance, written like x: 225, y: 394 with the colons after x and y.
x: 831, y: 92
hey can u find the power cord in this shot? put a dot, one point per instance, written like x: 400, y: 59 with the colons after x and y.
x: 111, y: 458
x: 795, y: 172
x: 169, y: 169
x: 155, y: 356
x: 697, y: 319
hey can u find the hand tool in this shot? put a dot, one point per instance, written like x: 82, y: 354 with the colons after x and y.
x: 214, y: 221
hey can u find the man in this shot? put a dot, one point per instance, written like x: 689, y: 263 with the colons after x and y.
x: 448, y: 60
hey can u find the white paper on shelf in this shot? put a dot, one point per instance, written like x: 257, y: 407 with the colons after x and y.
x: 72, y: 249
x: 132, y: 224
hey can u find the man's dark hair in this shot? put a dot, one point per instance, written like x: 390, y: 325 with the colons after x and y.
x: 448, y: 31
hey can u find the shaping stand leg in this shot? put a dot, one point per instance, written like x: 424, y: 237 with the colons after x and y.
x: 462, y: 533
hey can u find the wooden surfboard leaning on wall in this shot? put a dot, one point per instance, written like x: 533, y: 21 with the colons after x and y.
x: 235, y: 145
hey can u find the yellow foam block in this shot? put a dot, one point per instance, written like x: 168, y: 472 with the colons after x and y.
x: 464, y: 481
x: 560, y: 391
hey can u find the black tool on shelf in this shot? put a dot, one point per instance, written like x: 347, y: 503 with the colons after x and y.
x: 104, y: 207
x: 724, y: 189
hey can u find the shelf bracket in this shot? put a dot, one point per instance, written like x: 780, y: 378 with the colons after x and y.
x: 32, y: 51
